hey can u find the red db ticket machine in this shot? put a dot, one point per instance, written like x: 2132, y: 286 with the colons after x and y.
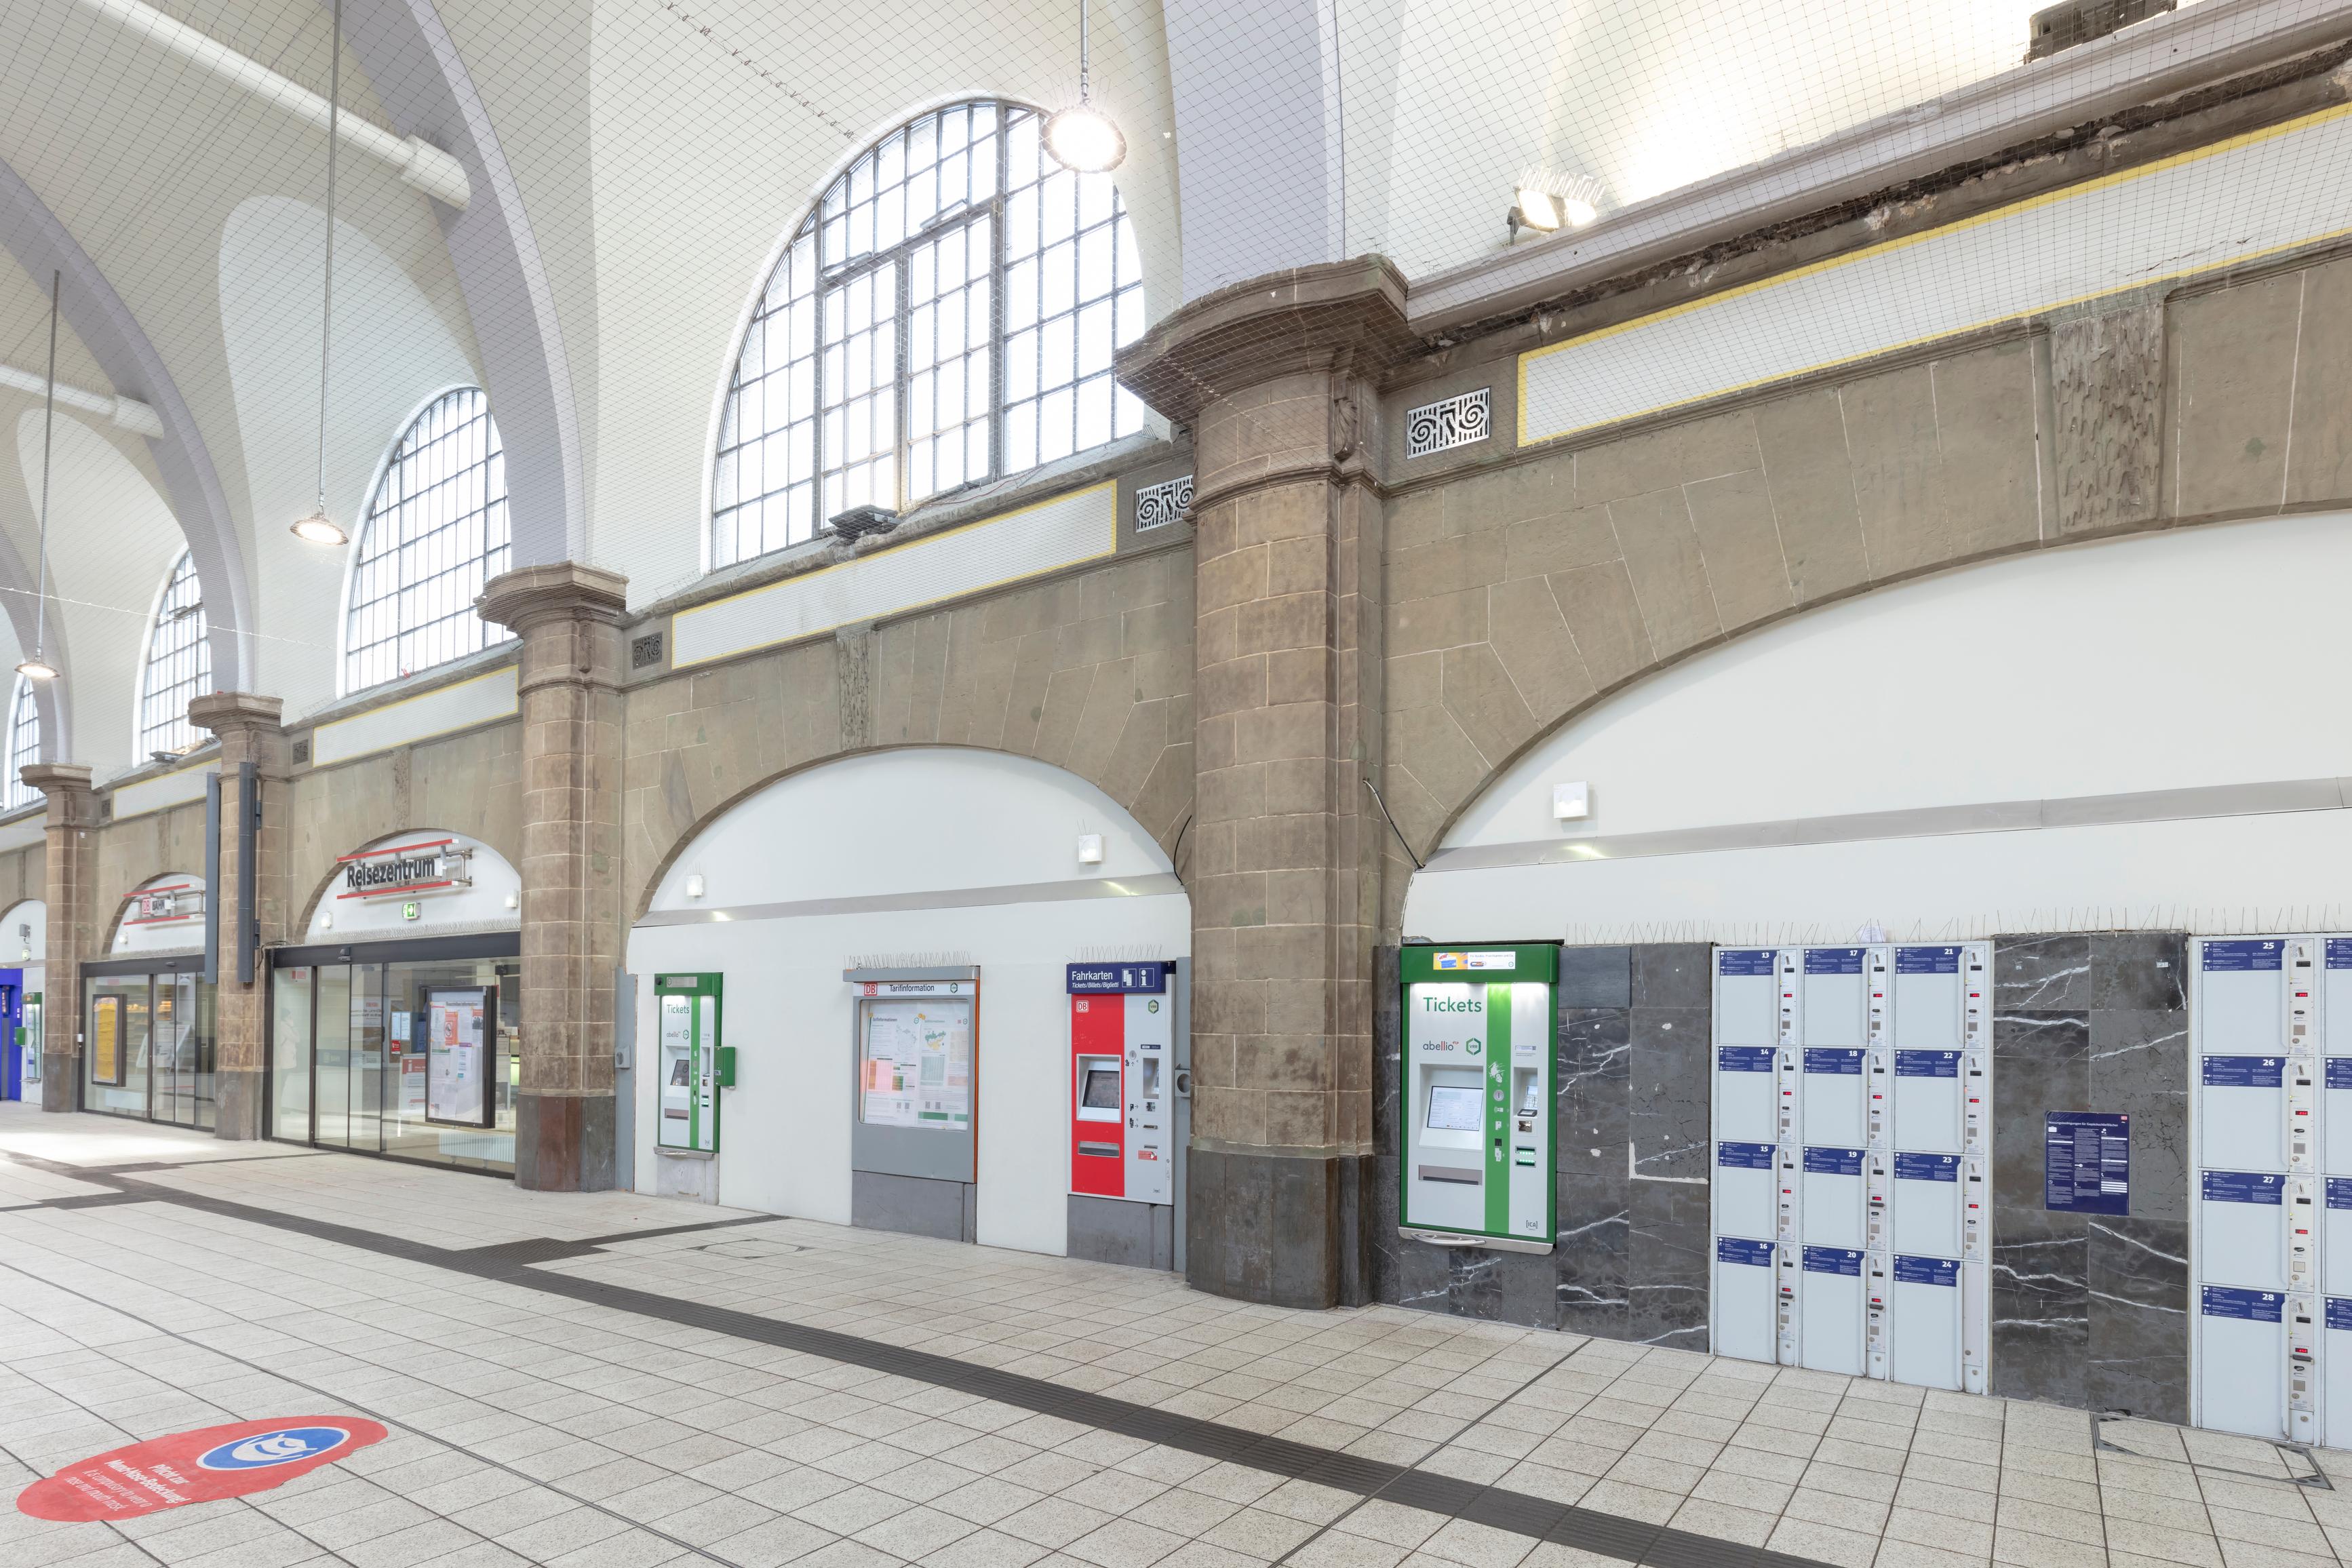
x: 1122, y: 1082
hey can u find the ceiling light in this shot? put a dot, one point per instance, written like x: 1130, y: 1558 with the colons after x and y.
x: 1082, y: 137
x: 320, y: 529
x: 1539, y: 210
x: 34, y: 669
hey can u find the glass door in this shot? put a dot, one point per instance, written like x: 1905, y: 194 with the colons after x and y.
x: 333, y: 1055
x: 290, y: 1054
x: 114, y: 1065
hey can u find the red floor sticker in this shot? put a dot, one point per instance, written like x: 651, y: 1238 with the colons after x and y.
x: 196, y: 1466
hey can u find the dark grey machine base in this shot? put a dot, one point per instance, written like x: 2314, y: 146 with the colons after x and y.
x: 1114, y: 1230
x: 914, y: 1205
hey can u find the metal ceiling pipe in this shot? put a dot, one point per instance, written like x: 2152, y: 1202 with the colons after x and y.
x: 127, y: 412
x: 418, y: 162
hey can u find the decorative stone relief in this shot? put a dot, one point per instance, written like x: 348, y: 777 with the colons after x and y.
x: 1452, y: 422
x: 1156, y: 506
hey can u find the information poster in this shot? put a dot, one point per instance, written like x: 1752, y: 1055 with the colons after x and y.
x: 2086, y: 1163
x: 457, y: 1071
x: 105, y: 1041
x: 915, y: 1064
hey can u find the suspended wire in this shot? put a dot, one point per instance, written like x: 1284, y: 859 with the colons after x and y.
x: 327, y: 293
x: 48, y: 427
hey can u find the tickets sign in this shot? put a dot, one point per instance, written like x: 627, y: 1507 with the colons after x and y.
x: 203, y: 1466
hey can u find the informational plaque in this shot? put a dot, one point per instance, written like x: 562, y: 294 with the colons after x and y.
x: 105, y: 1041
x: 2086, y: 1163
x: 915, y: 1067
x: 457, y: 1074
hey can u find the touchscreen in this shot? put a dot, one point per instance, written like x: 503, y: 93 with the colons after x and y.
x: 1453, y: 1108
x: 1102, y: 1088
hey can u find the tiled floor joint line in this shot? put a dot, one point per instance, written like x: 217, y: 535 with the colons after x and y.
x: 1616, y: 1536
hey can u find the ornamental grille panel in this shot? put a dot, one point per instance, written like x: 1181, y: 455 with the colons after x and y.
x: 1158, y: 505
x: 1455, y: 422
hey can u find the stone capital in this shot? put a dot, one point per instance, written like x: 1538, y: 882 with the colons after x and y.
x: 72, y: 801
x: 243, y: 713
x: 560, y: 591
x: 1339, y: 315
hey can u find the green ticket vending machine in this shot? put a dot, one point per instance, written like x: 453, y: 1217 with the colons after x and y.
x: 694, y: 1065
x: 1481, y: 1048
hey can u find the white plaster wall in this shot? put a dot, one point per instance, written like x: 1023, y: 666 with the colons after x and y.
x: 934, y: 819
x: 14, y: 948
x: 2168, y: 662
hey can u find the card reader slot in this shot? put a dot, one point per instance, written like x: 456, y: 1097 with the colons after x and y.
x: 1448, y: 1174
x: 1100, y: 1150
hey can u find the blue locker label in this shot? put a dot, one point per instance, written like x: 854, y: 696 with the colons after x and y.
x: 1833, y: 960
x: 2254, y: 1306
x: 2224, y: 956
x: 1730, y: 1250
x: 2245, y: 1072
x: 1734, y: 962
x: 2087, y: 1162
x: 1926, y: 1270
x: 1837, y: 1060
x: 1744, y: 1059
x: 2339, y: 953
x: 2339, y: 1072
x: 1926, y: 1167
x: 2339, y: 1312
x: 1926, y: 961
x: 2243, y: 1187
x: 1833, y: 1162
x: 2339, y: 1193
x: 1927, y: 1064
x: 1832, y: 1260
x: 1744, y: 1156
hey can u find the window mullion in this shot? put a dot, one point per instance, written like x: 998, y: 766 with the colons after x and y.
x: 901, y: 332
x: 998, y: 206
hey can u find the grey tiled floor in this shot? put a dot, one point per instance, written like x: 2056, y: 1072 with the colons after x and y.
x: 532, y: 1428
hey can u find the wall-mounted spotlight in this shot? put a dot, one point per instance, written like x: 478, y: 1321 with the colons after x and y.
x: 1548, y: 203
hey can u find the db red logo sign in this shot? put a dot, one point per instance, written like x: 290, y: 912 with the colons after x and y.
x: 196, y: 1466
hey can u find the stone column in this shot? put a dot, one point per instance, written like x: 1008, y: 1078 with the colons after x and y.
x: 569, y: 619
x: 1276, y: 379
x: 70, y: 883
x: 249, y: 728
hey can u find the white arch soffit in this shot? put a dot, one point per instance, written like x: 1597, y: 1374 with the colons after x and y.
x: 492, y: 901
x: 184, y: 929
x: 18, y: 600
x: 423, y: 84
x: 920, y: 827
x: 34, y: 913
x: 113, y: 334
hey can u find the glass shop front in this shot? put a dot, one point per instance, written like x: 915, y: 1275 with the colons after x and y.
x: 410, y: 1049
x: 148, y: 1039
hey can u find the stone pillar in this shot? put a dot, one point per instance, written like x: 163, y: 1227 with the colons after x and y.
x: 1276, y: 379
x: 70, y: 884
x: 249, y: 728
x: 569, y: 619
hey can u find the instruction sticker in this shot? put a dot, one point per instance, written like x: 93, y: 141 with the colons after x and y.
x: 1833, y: 960
x: 2086, y: 1163
x: 1927, y: 1064
x: 2242, y: 1187
x: 1926, y: 961
x: 1833, y: 1162
x: 1747, y: 1058
x: 1744, y: 1156
x: 1743, y: 963
x: 1756, y: 1254
x: 1832, y: 1260
x: 2238, y: 957
x: 1926, y: 1167
x: 1838, y: 1061
x: 2245, y: 1072
x: 1926, y: 1270
x: 2254, y: 1306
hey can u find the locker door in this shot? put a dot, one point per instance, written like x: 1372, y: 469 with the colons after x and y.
x: 1835, y: 996
x: 2336, y: 1246
x: 2242, y: 1361
x: 1746, y: 1096
x: 1927, y: 1206
x: 2242, y: 995
x: 2242, y: 1230
x: 1746, y: 1003
x: 1742, y: 1310
x: 2241, y: 1110
x: 1928, y: 1100
x: 1832, y: 1103
x: 1830, y: 1324
x: 1927, y: 1321
x: 2336, y: 1373
x: 1927, y: 998
x: 1744, y: 1194
x: 1834, y: 1198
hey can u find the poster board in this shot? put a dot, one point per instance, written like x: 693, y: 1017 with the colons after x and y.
x: 457, y: 1055
x: 106, y: 1040
x: 915, y: 1063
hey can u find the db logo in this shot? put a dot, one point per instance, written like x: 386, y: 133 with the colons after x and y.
x: 203, y: 1466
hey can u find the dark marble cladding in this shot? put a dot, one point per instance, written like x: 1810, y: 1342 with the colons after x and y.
x: 1502, y: 1287
x: 2041, y: 1306
x: 1666, y: 1295
x: 2042, y: 1062
x: 1595, y: 1062
x: 2139, y: 970
x: 1596, y: 977
x: 1591, y: 1254
x: 1666, y: 1115
x: 2139, y: 1067
x: 2041, y: 974
x: 1673, y: 974
x: 2140, y: 1317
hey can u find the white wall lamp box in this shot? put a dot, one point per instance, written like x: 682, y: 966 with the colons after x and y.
x: 1090, y: 849
x: 1572, y: 801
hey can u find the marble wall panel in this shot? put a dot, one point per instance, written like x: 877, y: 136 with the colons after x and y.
x: 1591, y: 1255
x: 2140, y: 1317
x: 1595, y: 1062
x: 1666, y: 1292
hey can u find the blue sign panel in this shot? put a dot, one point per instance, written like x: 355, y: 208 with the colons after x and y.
x: 1926, y: 1167
x: 2222, y: 957
x: 2245, y: 1072
x: 1926, y: 1271
x: 1927, y: 1064
x: 1832, y: 1260
x: 2339, y: 1193
x: 2243, y: 1187
x: 1744, y: 1059
x: 1088, y: 979
x: 1734, y: 962
x: 1757, y: 1254
x: 1833, y: 960
x: 2339, y: 953
x: 1926, y: 961
x: 2087, y: 1162
x: 2339, y: 1312
x: 2339, y: 1072
x: 1836, y: 1060
x: 1744, y: 1156
x: 2255, y: 1306
x: 1833, y: 1162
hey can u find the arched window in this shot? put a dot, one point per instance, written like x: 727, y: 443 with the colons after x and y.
x: 179, y: 664
x: 436, y: 531
x: 24, y: 744
x: 945, y: 314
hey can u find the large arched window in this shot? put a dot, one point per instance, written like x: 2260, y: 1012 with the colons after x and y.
x: 179, y: 664
x: 436, y: 531
x: 24, y: 744
x: 946, y: 313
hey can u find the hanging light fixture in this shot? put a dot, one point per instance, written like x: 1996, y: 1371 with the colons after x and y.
x: 317, y: 528
x: 37, y: 668
x: 1082, y: 137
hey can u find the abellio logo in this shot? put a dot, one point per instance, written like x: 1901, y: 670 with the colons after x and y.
x: 203, y: 1466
